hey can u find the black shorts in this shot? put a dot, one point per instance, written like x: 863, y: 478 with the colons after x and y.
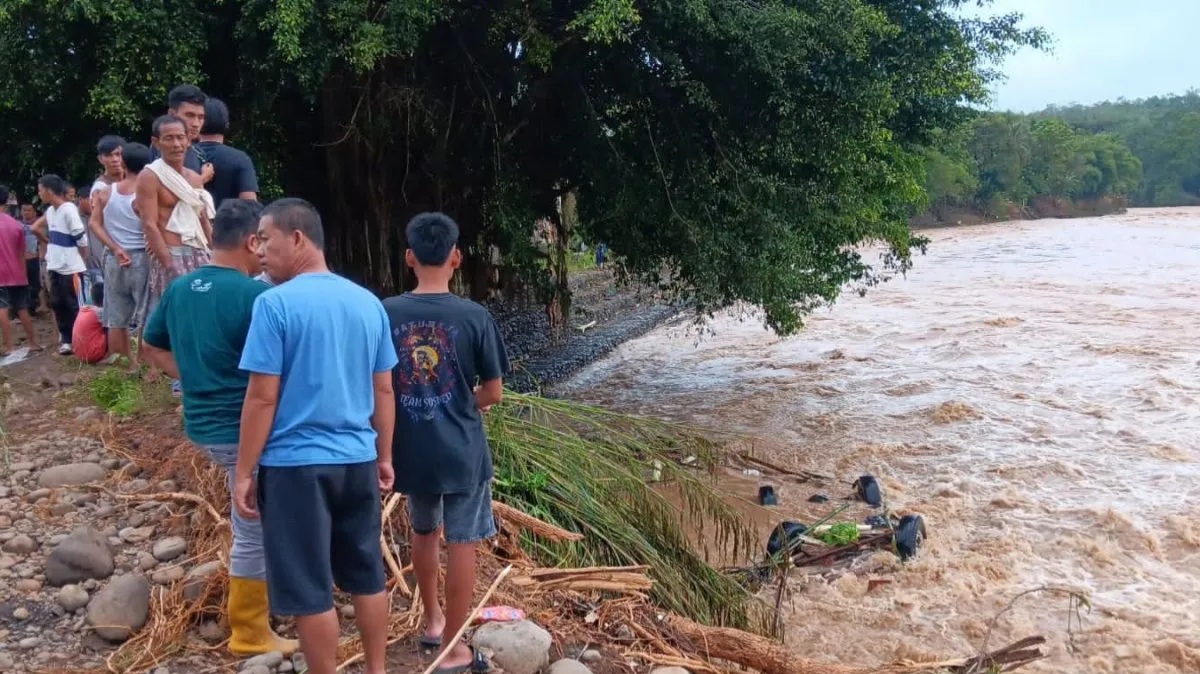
x: 14, y: 297
x: 320, y: 528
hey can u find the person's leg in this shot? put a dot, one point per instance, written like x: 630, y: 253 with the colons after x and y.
x: 249, y: 612
x: 297, y: 525
x: 357, y: 559
x: 64, y: 306
x: 425, y: 518
x: 118, y: 307
x: 138, y: 284
x: 33, y: 274
x: 468, y: 520
x: 6, y: 302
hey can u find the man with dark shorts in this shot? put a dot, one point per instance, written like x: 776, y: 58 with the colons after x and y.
x: 233, y: 171
x: 220, y: 296
x: 14, y: 286
x: 317, y: 424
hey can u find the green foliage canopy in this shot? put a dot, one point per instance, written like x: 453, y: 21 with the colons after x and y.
x: 743, y: 147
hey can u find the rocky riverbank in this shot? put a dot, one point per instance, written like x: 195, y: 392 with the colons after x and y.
x: 603, y: 315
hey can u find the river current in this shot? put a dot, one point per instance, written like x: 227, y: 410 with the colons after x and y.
x: 1031, y: 388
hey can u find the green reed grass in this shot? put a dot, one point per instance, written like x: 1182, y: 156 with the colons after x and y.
x: 585, y: 469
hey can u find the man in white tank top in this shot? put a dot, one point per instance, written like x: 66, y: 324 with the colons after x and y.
x: 118, y: 228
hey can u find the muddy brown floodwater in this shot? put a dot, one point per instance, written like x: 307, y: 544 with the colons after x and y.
x: 1032, y: 388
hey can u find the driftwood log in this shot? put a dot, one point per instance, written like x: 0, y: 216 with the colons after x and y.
x: 769, y: 657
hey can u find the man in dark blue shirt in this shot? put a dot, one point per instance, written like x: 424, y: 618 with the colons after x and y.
x: 233, y: 171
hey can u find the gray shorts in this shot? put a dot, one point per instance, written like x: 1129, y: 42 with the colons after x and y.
x: 467, y: 518
x: 126, y: 290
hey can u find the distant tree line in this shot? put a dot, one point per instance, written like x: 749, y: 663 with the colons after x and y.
x: 1067, y: 161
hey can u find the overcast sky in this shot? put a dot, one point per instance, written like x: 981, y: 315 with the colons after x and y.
x: 1103, y: 50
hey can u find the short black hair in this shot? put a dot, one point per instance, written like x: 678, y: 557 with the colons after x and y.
x: 84, y: 192
x: 432, y: 236
x: 235, y: 220
x: 185, y: 93
x: 216, y: 117
x: 291, y: 214
x: 54, y: 183
x: 135, y: 156
x: 98, y: 293
x: 4, y: 194
x: 109, y: 144
x: 165, y: 120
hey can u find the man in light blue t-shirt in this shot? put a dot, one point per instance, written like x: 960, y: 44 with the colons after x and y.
x: 317, y: 423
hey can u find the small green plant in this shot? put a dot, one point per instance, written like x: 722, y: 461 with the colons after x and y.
x: 118, y: 392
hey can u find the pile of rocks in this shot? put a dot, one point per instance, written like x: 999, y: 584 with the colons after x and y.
x: 76, y: 566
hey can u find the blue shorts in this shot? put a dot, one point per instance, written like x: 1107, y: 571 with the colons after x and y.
x: 467, y: 518
x: 321, y: 527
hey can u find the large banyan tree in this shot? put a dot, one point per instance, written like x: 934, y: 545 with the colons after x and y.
x: 733, y: 150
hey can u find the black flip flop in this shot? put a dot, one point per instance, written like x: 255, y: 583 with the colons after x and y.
x: 429, y: 642
x: 477, y: 665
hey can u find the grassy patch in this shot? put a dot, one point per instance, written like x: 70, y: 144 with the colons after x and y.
x: 124, y: 394
x: 585, y: 469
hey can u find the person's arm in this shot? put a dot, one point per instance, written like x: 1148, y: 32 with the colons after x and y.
x: 147, y: 205
x: 491, y: 364
x: 77, y: 230
x: 39, y: 230
x: 384, y: 418
x: 96, y: 224
x: 247, y: 180
x: 156, y: 339
x: 262, y: 357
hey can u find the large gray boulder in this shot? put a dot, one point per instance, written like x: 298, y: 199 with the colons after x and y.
x: 521, y: 647
x: 82, y: 555
x: 120, y: 608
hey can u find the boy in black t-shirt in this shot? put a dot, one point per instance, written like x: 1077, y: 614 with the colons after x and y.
x: 440, y: 451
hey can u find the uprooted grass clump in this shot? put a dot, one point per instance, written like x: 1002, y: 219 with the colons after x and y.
x: 585, y: 469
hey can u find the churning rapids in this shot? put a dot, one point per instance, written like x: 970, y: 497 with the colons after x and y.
x: 1031, y: 388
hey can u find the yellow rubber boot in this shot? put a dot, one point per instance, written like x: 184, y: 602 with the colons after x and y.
x: 249, y: 619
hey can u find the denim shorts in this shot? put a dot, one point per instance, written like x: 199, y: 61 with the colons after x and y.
x: 467, y: 518
x: 321, y: 527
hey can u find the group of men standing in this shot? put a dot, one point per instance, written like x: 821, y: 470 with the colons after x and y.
x: 316, y: 397
x: 148, y: 216
x: 313, y: 394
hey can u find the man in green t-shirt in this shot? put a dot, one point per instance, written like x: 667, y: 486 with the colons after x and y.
x: 196, y: 335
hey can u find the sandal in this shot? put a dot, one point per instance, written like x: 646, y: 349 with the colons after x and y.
x: 477, y: 665
x: 429, y: 642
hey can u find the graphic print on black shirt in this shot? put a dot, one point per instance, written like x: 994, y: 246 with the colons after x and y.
x: 428, y: 370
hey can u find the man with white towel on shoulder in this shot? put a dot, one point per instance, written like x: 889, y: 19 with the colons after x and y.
x: 175, y: 209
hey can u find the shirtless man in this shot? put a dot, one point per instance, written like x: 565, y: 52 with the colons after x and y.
x: 170, y: 256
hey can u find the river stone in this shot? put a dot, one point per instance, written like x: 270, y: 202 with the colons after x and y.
x: 520, y: 647
x: 169, y: 548
x: 568, y: 666
x: 29, y: 585
x: 167, y: 575
x: 72, y: 598
x: 82, y: 555
x: 71, y: 474
x: 20, y: 545
x: 669, y: 670
x: 197, y: 579
x: 7, y: 664
x: 256, y: 669
x: 120, y: 608
x: 269, y: 660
